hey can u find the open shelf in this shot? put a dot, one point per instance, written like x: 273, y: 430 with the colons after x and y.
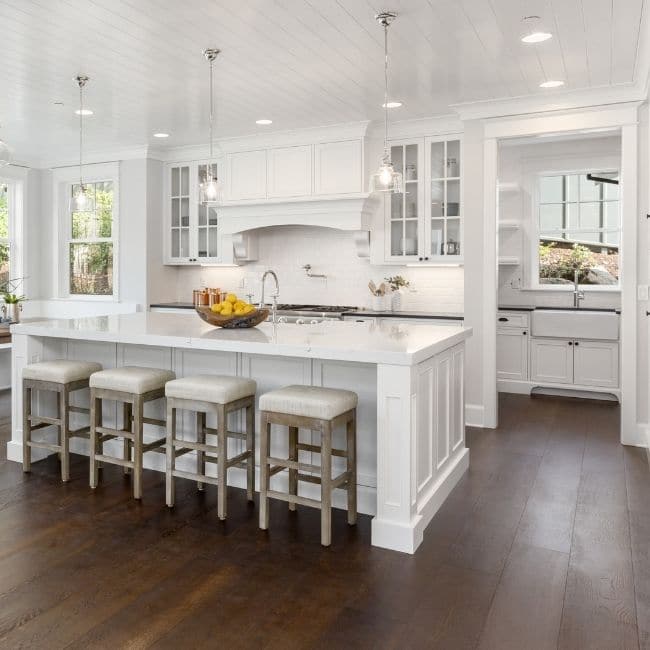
x: 509, y: 260
x: 509, y: 187
x: 509, y: 225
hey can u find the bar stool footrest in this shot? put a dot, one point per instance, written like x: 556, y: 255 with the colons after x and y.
x: 303, y: 446
x: 44, y: 420
x: 43, y: 445
x: 112, y: 460
x: 294, y: 498
x: 212, y: 480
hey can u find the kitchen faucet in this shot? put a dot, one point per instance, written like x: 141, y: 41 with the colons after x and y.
x: 577, y: 294
x: 274, y: 296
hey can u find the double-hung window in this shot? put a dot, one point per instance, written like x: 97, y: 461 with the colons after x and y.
x: 579, y: 228
x: 91, y: 243
x: 5, y: 235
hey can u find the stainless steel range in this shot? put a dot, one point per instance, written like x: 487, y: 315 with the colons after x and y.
x: 306, y: 314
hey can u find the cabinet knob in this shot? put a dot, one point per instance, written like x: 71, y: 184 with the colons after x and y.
x: 577, y: 343
x: 426, y: 259
x: 570, y: 342
x: 525, y: 333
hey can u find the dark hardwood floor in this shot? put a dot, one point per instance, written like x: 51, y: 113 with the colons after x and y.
x: 545, y: 543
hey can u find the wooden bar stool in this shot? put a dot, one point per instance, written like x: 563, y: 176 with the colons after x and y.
x: 62, y: 377
x: 219, y: 395
x: 318, y: 409
x: 133, y: 387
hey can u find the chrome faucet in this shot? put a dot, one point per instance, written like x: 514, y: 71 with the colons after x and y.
x: 274, y: 296
x: 577, y: 294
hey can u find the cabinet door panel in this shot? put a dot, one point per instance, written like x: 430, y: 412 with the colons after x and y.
x: 512, y: 354
x: 247, y: 175
x: 551, y: 360
x: 289, y: 171
x: 596, y: 363
x: 338, y: 167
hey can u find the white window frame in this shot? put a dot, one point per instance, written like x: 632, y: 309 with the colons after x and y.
x: 15, y: 178
x: 535, y: 284
x: 64, y: 179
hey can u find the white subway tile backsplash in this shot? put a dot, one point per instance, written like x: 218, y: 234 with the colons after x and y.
x: 287, y: 249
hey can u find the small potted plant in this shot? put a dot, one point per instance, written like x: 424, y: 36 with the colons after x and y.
x: 395, y: 284
x: 12, y: 301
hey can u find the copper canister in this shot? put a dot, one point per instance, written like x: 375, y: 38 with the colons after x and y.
x: 214, y: 296
x: 201, y: 297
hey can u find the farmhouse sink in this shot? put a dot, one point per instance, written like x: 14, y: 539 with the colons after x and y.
x: 575, y: 324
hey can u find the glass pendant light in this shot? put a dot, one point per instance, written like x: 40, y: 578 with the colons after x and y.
x: 82, y: 199
x: 386, y: 178
x: 211, y: 189
x: 6, y: 154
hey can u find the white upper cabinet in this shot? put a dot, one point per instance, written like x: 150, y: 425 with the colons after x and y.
x: 304, y: 171
x: 192, y: 234
x: 424, y: 223
x: 246, y: 175
x: 338, y: 167
x: 289, y: 172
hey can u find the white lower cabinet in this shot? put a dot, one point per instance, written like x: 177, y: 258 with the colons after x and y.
x: 570, y: 361
x: 595, y: 363
x: 512, y: 354
x: 551, y: 360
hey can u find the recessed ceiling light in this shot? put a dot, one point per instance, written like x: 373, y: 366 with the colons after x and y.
x: 263, y: 122
x: 552, y: 83
x: 161, y: 135
x: 536, y: 37
x: 83, y: 111
x: 533, y: 30
x: 394, y: 104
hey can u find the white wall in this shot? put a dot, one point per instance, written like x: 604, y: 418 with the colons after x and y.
x: 287, y: 249
x: 520, y: 164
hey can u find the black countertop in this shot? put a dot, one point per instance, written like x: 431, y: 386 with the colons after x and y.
x: 360, y: 312
x: 403, y: 314
x: 548, y: 307
x: 172, y: 305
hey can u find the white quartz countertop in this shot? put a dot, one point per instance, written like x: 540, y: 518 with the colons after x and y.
x: 400, y: 344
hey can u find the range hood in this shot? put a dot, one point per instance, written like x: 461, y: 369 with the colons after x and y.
x: 340, y: 213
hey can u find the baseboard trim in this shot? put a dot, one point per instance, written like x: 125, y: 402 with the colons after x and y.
x: 474, y: 415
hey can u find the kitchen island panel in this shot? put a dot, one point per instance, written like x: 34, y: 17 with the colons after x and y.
x: 411, y: 448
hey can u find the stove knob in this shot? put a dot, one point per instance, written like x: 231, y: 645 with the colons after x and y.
x: 300, y: 321
x: 283, y: 319
x: 313, y: 321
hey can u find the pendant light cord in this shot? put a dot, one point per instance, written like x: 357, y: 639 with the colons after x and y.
x: 210, y: 168
x: 81, y: 130
x: 386, y: 88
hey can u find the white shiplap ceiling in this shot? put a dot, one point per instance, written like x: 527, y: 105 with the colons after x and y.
x: 298, y: 62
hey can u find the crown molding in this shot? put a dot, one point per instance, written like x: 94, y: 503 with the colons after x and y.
x: 418, y: 127
x: 552, y: 102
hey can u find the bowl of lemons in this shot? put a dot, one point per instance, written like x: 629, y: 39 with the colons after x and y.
x: 233, y: 313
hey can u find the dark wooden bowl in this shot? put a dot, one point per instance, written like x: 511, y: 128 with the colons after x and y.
x: 252, y: 319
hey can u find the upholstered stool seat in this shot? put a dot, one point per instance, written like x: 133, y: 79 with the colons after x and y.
x: 61, y: 371
x: 218, y: 395
x: 218, y: 389
x: 62, y: 376
x: 133, y: 386
x: 317, y: 409
x: 309, y: 401
x: 131, y: 379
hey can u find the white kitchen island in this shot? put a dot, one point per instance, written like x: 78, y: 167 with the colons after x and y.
x: 409, y: 378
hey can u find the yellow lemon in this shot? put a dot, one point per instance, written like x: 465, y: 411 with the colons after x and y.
x: 248, y: 309
x: 216, y: 308
x: 231, y: 298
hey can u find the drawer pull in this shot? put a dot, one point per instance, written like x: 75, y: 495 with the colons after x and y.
x: 503, y: 319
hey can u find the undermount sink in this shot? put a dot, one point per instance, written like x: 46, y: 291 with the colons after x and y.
x: 575, y: 324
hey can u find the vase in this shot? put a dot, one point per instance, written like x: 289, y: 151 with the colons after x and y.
x: 11, y: 311
x: 378, y: 303
x: 396, y: 301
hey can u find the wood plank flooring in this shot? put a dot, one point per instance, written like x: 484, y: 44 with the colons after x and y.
x: 545, y: 543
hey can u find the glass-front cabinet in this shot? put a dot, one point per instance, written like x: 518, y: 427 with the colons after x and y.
x: 192, y: 235
x: 424, y: 224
